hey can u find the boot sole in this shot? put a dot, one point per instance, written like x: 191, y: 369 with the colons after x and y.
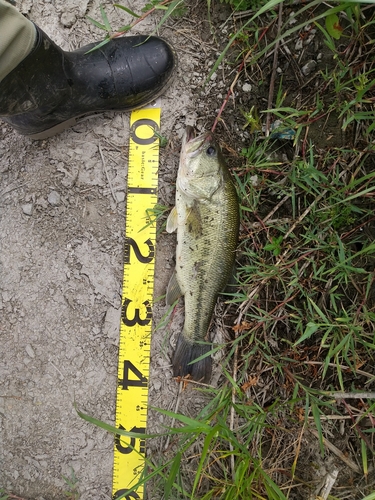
x: 56, y: 129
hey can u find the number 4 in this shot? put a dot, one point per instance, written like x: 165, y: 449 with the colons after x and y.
x: 129, y: 496
x: 125, y: 382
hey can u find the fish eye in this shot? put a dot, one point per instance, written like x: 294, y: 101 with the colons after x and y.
x: 211, y: 151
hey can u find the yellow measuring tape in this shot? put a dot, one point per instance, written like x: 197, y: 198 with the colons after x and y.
x: 137, y: 297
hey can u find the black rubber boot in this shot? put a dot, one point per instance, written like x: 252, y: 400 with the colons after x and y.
x: 50, y: 89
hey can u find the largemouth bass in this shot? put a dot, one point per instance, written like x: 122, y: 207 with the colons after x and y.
x: 206, y: 216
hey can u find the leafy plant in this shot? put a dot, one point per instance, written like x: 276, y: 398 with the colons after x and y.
x: 274, y: 246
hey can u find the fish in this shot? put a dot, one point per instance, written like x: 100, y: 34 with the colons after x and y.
x: 206, y: 218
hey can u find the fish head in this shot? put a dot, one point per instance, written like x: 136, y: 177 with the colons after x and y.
x: 200, y: 172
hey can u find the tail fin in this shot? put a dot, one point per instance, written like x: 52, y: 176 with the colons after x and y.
x: 186, y: 352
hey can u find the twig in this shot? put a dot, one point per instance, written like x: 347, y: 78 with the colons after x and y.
x: 337, y: 452
x: 329, y: 482
x: 106, y: 173
x: 353, y: 395
x: 330, y: 417
x: 274, y: 68
x: 55, y: 367
x: 343, y: 367
x: 166, y: 446
x: 281, y: 202
x: 326, y: 485
x: 298, y: 449
x: 357, y: 428
x: 270, y: 222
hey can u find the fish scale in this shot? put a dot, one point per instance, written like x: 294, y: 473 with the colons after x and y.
x: 211, y: 270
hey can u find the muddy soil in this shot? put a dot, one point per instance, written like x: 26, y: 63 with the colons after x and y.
x: 62, y: 236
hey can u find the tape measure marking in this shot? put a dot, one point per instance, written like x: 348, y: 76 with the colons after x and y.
x: 137, y: 297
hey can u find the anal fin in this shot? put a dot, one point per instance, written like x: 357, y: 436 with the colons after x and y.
x: 173, y: 290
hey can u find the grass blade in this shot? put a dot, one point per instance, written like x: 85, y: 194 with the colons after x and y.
x: 191, y: 425
x: 126, y: 9
x: 205, y: 451
x: 175, y: 467
x: 96, y: 23
x: 316, y: 415
x: 103, y: 13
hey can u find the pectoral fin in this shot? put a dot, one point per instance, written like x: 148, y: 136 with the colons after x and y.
x: 194, y: 222
x: 173, y: 290
x: 172, y: 221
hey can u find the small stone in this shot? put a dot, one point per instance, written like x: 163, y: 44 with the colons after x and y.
x: 309, y: 67
x: 299, y: 44
x: 54, y: 198
x: 247, y: 87
x: 30, y: 351
x: 26, y: 474
x: 68, y: 19
x: 27, y: 208
x: 254, y: 180
x: 120, y: 196
x: 157, y: 385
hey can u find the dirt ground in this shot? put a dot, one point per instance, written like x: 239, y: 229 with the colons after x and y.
x: 61, y: 256
x: 61, y: 237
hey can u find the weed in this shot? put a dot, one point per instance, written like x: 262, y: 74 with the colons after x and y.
x: 71, y: 481
x: 169, y: 7
x: 9, y: 496
x: 274, y: 246
x: 252, y: 120
x: 3, y: 494
x: 156, y: 215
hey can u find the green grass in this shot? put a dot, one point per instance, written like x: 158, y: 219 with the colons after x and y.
x: 302, y: 343
x: 3, y: 494
x: 72, y: 486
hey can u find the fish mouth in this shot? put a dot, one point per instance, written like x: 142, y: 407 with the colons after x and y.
x: 192, y: 144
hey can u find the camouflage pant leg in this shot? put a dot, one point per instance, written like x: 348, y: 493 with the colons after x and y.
x: 17, y: 38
